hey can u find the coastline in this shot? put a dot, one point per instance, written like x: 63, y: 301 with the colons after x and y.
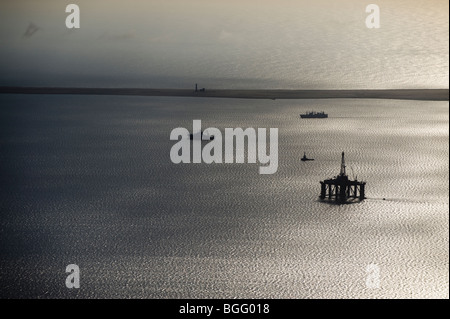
x: 401, y: 94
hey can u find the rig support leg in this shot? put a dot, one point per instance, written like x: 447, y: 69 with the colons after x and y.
x: 323, y: 190
x: 362, y: 192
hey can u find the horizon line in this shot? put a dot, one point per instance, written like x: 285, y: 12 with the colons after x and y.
x: 401, y: 94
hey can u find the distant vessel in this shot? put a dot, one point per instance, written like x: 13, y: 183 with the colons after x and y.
x: 304, y: 158
x: 314, y: 115
x: 202, y: 136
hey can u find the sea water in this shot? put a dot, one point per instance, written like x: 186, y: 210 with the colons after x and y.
x: 88, y: 180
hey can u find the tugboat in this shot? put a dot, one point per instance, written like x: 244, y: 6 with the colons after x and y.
x: 305, y: 159
x: 202, y: 136
x: 314, y: 115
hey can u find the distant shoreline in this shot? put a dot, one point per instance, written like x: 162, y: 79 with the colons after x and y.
x: 401, y: 94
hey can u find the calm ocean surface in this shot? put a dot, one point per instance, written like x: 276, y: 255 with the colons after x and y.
x: 88, y: 180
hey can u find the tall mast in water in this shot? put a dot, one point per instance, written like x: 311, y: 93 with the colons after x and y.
x: 343, y: 165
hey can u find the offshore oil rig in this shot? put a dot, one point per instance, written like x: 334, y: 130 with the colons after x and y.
x: 341, y: 189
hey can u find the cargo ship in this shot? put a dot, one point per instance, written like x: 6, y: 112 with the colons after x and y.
x: 314, y: 115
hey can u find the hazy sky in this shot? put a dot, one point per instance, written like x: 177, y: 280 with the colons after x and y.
x: 245, y: 43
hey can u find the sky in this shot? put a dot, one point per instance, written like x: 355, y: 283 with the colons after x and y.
x: 225, y: 44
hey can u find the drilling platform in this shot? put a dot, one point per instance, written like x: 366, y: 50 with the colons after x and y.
x: 341, y: 189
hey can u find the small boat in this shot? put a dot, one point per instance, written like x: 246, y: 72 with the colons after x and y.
x: 314, y: 115
x: 305, y: 159
x: 202, y: 136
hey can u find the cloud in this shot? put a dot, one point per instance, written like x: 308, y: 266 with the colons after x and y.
x: 225, y: 35
x: 118, y: 36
